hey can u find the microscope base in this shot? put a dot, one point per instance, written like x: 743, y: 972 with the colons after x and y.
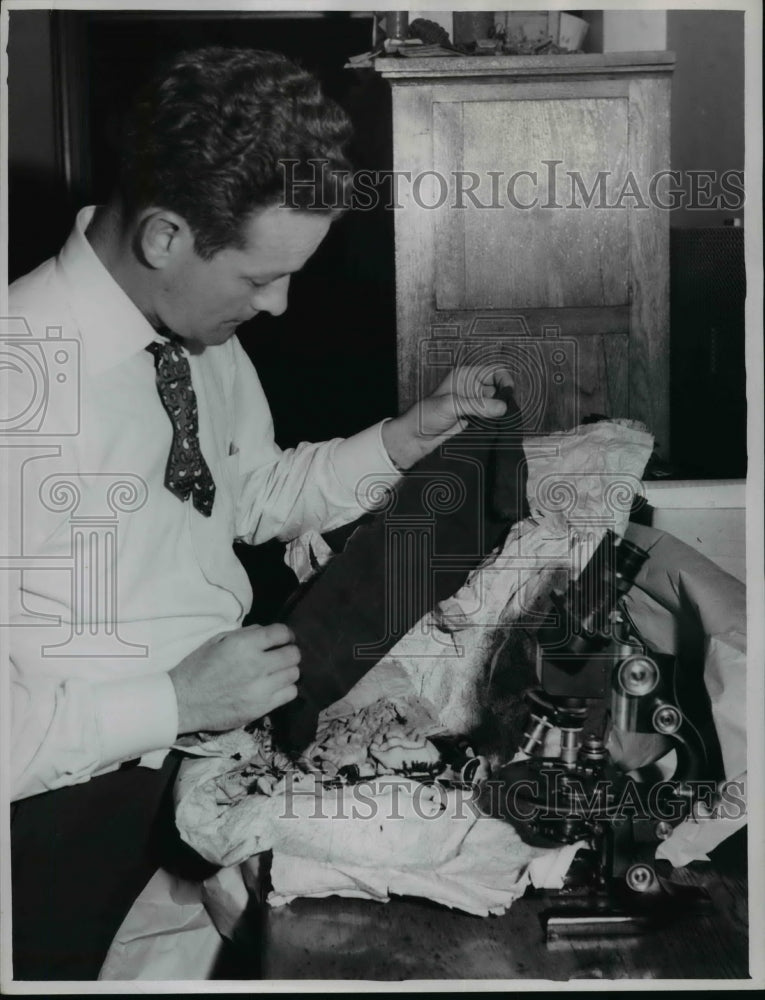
x: 608, y: 913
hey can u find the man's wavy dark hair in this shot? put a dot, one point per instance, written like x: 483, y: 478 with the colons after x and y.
x: 224, y: 131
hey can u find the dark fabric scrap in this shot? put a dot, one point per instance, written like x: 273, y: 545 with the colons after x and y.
x: 444, y: 516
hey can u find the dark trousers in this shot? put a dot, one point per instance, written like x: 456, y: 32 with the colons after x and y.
x: 80, y: 856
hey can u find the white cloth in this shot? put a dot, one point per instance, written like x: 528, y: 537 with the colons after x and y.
x: 168, y: 933
x: 118, y: 580
x: 491, y: 869
x: 174, y: 930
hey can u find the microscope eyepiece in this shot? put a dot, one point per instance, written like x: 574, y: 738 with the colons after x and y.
x: 584, y: 611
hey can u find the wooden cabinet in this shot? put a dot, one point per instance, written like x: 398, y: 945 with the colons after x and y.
x: 531, y: 228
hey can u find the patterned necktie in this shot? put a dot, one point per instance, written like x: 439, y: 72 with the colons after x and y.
x: 187, y: 474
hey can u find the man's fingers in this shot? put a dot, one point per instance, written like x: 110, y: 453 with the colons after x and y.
x: 478, y: 406
x: 492, y: 408
x: 267, y: 636
x: 271, y: 686
x: 267, y: 691
x: 470, y: 391
x: 283, y: 658
x: 503, y: 379
x: 267, y: 684
x: 282, y: 697
x: 453, y: 413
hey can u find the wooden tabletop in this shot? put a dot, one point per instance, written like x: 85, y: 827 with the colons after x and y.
x: 338, y: 938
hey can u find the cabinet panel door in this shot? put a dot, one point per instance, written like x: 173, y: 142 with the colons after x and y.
x: 558, y: 379
x: 556, y: 252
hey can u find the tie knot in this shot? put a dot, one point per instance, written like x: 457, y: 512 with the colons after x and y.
x: 165, y: 349
x: 169, y: 361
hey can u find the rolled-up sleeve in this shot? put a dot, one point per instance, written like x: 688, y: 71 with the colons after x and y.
x: 65, y: 730
x: 283, y: 493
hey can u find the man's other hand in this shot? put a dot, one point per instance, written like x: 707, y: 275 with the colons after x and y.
x: 236, y: 677
x: 465, y: 392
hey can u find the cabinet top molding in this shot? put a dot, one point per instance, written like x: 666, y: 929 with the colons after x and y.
x: 407, y: 68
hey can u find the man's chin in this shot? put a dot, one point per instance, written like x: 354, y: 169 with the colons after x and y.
x: 223, y: 333
x: 197, y: 341
x: 227, y: 330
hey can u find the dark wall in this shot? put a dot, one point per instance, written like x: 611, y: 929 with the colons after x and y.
x: 38, y: 216
x: 708, y: 287
x: 707, y: 99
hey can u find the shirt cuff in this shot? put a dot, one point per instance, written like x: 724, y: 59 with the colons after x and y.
x: 364, y: 455
x: 135, y: 716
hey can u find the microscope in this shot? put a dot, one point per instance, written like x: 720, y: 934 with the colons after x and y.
x: 597, y: 677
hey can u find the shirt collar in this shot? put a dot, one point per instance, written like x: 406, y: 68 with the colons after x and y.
x: 111, y: 325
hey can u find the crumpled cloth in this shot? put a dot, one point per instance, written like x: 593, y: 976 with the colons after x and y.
x: 388, y: 835
x: 174, y: 930
x: 580, y: 483
x: 493, y: 868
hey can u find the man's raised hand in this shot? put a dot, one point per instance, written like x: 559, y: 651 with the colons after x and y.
x: 465, y: 392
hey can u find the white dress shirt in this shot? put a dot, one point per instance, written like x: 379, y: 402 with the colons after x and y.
x: 115, y: 584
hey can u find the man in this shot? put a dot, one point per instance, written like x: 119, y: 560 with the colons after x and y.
x: 119, y: 649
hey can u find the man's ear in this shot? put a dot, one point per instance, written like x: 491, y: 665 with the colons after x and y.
x: 161, y: 237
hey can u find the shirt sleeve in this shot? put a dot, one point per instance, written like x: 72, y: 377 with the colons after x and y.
x: 65, y: 730
x: 283, y: 493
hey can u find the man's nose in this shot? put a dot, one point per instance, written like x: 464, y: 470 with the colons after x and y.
x: 272, y: 298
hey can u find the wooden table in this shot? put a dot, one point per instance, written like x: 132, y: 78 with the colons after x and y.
x: 338, y: 938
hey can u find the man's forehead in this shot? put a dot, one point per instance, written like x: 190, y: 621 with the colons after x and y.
x: 285, y: 231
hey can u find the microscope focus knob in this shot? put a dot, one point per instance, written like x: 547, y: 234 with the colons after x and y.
x: 640, y: 878
x: 667, y: 719
x: 638, y: 675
